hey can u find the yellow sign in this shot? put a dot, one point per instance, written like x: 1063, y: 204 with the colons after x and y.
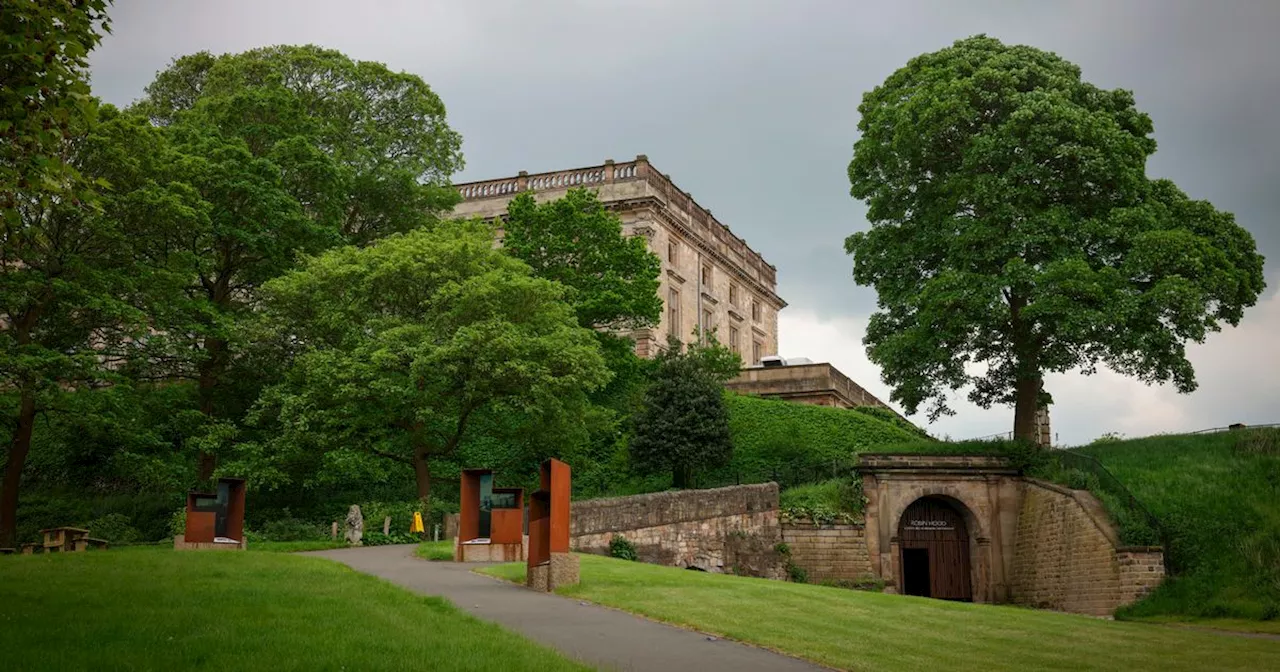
x: 417, y: 523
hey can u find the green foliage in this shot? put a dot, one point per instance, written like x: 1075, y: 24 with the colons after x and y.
x: 288, y: 150
x: 1014, y: 226
x: 683, y: 425
x: 44, y: 101
x: 293, y: 529
x: 114, y: 527
x: 839, y: 500
x: 800, y: 443
x: 795, y: 573
x: 574, y: 240
x: 868, y: 582
x: 377, y: 538
x: 621, y: 548
x: 1217, y: 504
x: 889, y: 416
x: 417, y: 345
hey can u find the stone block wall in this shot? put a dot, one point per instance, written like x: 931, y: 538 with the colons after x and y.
x: 1067, y: 555
x: 729, y: 529
x: 1141, y: 570
x: 828, y: 551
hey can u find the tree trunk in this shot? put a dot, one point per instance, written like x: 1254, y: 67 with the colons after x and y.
x: 1026, y: 406
x: 422, y: 472
x: 19, y: 447
x: 210, y: 372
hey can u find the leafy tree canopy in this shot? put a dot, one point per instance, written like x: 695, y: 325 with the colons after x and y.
x: 1014, y: 232
x: 44, y: 96
x: 407, y: 346
x: 683, y: 425
x: 612, y: 278
x: 293, y: 149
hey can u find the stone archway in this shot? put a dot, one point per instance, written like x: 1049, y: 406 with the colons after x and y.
x: 983, y: 494
x: 933, y: 541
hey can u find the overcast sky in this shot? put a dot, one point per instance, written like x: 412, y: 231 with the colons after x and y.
x: 752, y: 107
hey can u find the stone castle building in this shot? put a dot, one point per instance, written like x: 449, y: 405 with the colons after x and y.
x: 711, y: 279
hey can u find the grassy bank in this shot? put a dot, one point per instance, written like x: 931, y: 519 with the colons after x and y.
x: 436, y: 551
x: 870, y: 631
x: 235, y: 611
x: 1218, y: 497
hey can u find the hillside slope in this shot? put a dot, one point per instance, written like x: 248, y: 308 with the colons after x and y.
x: 800, y: 443
x: 1218, y: 498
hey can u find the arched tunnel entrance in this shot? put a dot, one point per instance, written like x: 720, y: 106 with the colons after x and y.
x: 934, y: 543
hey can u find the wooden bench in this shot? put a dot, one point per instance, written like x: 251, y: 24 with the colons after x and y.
x: 30, y: 548
x: 6, y: 551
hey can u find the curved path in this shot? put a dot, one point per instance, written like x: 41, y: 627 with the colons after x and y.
x: 599, y: 636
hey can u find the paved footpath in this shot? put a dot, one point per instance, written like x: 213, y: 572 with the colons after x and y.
x: 601, y: 637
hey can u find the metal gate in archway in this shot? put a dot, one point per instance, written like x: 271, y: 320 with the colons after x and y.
x: 934, y: 543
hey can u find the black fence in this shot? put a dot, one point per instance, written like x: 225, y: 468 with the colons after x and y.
x: 1110, y: 485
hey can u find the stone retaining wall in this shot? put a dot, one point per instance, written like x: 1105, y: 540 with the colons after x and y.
x: 730, y: 529
x: 1067, y: 555
x: 837, y: 552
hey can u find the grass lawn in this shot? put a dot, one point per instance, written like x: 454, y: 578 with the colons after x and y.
x: 1219, y: 497
x: 870, y: 631
x: 436, y: 550
x: 168, y: 610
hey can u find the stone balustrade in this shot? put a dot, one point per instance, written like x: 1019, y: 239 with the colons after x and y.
x: 713, y: 232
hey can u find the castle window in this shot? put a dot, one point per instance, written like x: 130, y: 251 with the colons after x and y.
x: 673, y: 249
x: 755, y: 310
x: 673, y: 313
x: 733, y: 340
x: 733, y: 294
x: 706, y: 276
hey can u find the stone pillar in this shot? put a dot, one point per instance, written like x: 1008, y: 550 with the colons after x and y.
x: 522, y: 180
x: 608, y: 170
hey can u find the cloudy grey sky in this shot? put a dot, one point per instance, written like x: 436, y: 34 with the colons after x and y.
x: 751, y: 106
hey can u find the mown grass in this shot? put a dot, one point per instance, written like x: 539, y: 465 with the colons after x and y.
x: 436, y: 551
x: 1218, y: 498
x: 870, y: 631
x: 236, y: 611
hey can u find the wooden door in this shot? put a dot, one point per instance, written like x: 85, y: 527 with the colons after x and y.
x: 934, y: 526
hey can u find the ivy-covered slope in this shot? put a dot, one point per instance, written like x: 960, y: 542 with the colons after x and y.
x: 795, y: 442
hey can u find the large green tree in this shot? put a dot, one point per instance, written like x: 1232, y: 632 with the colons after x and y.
x: 683, y: 424
x: 574, y: 240
x: 295, y: 149
x: 1014, y: 232
x: 44, y: 97
x: 81, y: 287
x: 613, y: 285
x: 410, y: 346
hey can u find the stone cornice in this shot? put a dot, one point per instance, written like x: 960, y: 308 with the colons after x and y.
x: 675, y: 276
x: 660, y: 208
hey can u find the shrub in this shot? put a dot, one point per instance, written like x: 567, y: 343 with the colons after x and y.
x: 795, y: 573
x: 115, y: 528
x: 293, y: 529
x: 622, y: 549
x: 178, y: 522
x: 377, y: 538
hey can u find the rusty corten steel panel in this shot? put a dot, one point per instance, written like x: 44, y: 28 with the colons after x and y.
x: 235, y: 508
x: 539, y: 512
x: 200, y: 527
x: 559, y: 536
x: 469, y: 504
x: 507, y: 525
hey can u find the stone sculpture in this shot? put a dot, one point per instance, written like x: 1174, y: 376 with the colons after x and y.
x: 355, y: 526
